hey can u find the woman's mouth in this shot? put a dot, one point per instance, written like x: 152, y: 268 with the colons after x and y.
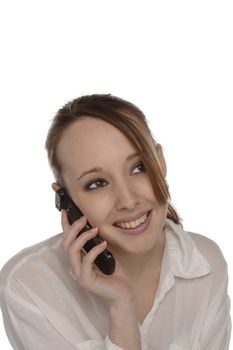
x: 135, y: 227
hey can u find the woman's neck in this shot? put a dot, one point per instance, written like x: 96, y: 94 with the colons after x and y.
x: 143, y: 265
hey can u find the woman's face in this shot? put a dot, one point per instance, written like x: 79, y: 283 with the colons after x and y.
x: 117, y: 188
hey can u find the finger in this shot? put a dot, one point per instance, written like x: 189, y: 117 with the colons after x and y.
x: 87, y: 271
x: 77, y: 253
x: 65, y: 221
x: 72, y: 233
x: 81, y: 240
x: 93, y: 253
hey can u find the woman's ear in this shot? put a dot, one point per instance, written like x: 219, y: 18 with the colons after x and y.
x: 56, y: 186
x: 162, y: 161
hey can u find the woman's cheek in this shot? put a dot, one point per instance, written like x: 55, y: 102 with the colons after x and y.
x: 97, y: 211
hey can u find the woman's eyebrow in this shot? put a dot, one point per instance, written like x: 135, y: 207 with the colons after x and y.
x: 98, y: 169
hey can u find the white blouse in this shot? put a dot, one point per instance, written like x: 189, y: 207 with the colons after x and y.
x: 44, y: 307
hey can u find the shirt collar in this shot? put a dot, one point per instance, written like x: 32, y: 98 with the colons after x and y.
x: 181, y: 255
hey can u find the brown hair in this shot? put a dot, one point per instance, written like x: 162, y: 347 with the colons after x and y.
x: 126, y: 117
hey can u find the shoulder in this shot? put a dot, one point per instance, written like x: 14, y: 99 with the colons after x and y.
x: 209, y: 248
x: 212, y: 252
x: 22, y: 263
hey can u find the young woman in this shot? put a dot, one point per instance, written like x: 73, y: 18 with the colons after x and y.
x: 169, y: 287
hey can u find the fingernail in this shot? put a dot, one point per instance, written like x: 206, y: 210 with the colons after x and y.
x: 83, y: 218
x: 93, y: 229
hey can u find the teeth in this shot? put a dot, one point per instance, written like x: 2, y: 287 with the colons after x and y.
x: 133, y: 224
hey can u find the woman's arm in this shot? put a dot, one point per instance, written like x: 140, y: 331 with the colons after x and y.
x: 216, y: 329
x: 124, y: 328
x: 117, y: 289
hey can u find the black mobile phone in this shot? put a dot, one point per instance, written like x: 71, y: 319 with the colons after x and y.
x: 105, y: 260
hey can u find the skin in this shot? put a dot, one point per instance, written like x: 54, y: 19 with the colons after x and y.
x: 125, y: 190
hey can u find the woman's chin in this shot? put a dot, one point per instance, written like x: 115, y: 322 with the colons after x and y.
x: 142, y: 247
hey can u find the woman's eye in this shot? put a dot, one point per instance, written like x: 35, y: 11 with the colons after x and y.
x: 98, y: 183
x: 140, y: 166
x: 89, y: 185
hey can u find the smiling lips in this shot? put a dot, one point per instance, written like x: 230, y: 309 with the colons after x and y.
x: 133, y: 221
x: 135, y: 227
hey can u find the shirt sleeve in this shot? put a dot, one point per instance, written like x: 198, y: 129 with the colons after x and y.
x: 216, y: 330
x: 97, y: 345
x: 27, y: 328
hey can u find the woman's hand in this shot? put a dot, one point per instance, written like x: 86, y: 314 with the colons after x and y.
x: 115, y: 288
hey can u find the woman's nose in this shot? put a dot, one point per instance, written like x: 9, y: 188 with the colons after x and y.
x: 126, y: 197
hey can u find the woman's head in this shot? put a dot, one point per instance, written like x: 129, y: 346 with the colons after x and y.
x: 91, y: 113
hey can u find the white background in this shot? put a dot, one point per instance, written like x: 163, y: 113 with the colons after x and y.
x: 171, y: 58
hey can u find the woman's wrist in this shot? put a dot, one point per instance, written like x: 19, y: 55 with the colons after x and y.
x: 124, y: 328
x: 121, y: 307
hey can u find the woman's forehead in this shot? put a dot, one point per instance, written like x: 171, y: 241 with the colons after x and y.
x: 91, y: 135
x: 89, y: 126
